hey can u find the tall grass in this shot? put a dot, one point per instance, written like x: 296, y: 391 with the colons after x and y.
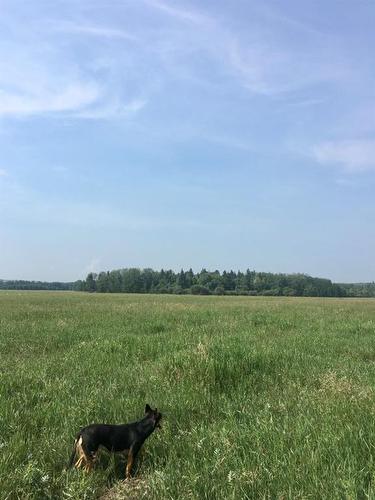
x: 263, y: 398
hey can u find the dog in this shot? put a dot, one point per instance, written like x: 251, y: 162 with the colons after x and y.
x: 115, y: 438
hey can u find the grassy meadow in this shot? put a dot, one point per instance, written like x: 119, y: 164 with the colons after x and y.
x: 263, y: 397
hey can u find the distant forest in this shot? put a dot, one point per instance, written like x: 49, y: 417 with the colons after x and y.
x: 37, y: 285
x: 134, y: 280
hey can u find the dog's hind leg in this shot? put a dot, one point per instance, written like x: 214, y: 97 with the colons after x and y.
x: 90, y: 460
x: 73, y: 454
x: 83, y: 457
x: 79, y: 461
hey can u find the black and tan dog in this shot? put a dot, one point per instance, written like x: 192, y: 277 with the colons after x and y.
x: 115, y: 438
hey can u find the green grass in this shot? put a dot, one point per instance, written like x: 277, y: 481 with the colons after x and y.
x: 263, y: 397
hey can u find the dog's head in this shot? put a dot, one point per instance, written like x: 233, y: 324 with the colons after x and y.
x: 154, y: 415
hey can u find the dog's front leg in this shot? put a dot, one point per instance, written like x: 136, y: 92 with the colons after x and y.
x: 133, y: 451
x: 129, y: 464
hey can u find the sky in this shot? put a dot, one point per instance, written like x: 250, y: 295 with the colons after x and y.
x: 177, y: 134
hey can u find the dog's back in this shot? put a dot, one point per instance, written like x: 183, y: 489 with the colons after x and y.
x: 114, y: 438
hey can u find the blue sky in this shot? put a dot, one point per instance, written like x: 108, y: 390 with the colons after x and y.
x: 160, y: 133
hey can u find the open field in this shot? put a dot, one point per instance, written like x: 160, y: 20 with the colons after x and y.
x: 264, y: 397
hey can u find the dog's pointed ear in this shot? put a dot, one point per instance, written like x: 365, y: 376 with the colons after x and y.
x: 148, y: 409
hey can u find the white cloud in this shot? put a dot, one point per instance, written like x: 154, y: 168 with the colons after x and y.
x: 46, y: 76
x: 42, y: 91
x: 3, y: 172
x: 352, y: 155
x: 46, y: 100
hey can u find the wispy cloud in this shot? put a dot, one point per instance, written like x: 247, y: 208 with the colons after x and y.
x: 306, y: 103
x: 281, y: 18
x: 267, y: 68
x: 74, y: 96
x: 3, y: 172
x: 70, y: 71
x: 92, y: 30
x: 189, y: 15
x: 259, y: 58
x: 352, y: 155
x: 111, y: 110
x: 43, y: 91
x: 46, y: 77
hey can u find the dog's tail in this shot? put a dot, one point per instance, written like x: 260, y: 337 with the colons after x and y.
x: 73, y: 454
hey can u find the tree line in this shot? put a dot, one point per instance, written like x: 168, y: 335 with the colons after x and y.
x: 359, y: 289
x: 134, y: 280
x: 37, y: 285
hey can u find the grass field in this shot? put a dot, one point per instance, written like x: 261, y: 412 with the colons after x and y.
x: 263, y: 397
